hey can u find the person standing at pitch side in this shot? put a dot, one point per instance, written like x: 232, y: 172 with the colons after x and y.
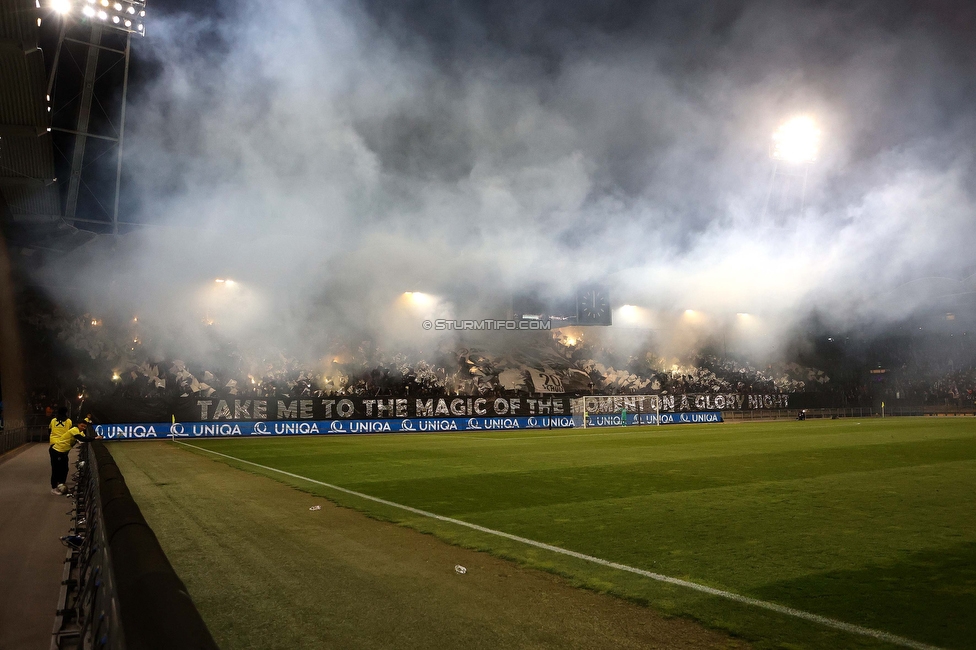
x: 58, y: 427
x: 62, y: 440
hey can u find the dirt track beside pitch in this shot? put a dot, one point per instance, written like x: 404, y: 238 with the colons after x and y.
x: 267, y: 572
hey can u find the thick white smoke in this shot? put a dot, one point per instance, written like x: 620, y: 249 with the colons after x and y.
x: 329, y: 156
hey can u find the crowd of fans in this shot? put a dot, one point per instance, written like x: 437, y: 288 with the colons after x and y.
x: 948, y: 386
x: 99, y: 360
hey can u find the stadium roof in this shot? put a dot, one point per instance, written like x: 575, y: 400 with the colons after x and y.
x: 30, y: 204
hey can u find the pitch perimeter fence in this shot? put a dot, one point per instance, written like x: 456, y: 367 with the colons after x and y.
x: 119, y: 591
x: 793, y: 414
x: 10, y: 439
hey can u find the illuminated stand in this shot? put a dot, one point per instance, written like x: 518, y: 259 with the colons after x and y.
x: 92, y: 24
x: 793, y: 148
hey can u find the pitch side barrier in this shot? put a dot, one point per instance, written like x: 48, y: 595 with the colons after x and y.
x: 120, y: 591
x: 413, y: 425
x: 12, y: 438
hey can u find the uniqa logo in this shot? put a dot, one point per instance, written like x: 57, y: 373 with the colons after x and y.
x: 437, y: 425
x: 361, y: 426
x: 295, y: 428
x: 501, y: 423
x: 126, y: 431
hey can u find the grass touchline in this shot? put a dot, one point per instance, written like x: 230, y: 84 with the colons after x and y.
x: 789, y: 611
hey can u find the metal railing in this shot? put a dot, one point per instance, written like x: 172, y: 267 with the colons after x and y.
x: 87, y: 611
x: 119, y: 591
x: 10, y: 439
x: 793, y: 414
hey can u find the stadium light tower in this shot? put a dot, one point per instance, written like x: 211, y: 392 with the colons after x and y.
x: 90, y: 23
x: 794, y: 146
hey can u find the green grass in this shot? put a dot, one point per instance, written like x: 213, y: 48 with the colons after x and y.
x: 871, y: 522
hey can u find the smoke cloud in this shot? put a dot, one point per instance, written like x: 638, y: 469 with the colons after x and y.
x: 330, y: 156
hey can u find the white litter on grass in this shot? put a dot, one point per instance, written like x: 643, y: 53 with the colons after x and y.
x: 460, y: 569
x: 315, y: 508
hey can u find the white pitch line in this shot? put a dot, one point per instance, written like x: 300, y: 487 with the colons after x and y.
x: 729, y: 595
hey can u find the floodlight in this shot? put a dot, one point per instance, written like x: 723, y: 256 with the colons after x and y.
x: 747, y: 320
x: 796, y: 141
x: 118, y: 14
x: 693, y: 316
x: 418, y: 299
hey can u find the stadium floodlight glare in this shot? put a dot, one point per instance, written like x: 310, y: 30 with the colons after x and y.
x: 123, y: 15
x: 747, y: 320
x: 418, y: 298
x: 693, y: 317
x: 796, y: 141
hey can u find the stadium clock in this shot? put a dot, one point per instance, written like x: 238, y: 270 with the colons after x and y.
x: 593, y: 307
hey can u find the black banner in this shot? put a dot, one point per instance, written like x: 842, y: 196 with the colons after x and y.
x: 233, y: 408
x: 222, y: 407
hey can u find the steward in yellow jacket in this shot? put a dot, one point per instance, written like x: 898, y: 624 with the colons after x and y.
x: 63, y: 438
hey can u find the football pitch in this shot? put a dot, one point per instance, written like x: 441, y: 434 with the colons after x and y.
x: 867, y: 523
